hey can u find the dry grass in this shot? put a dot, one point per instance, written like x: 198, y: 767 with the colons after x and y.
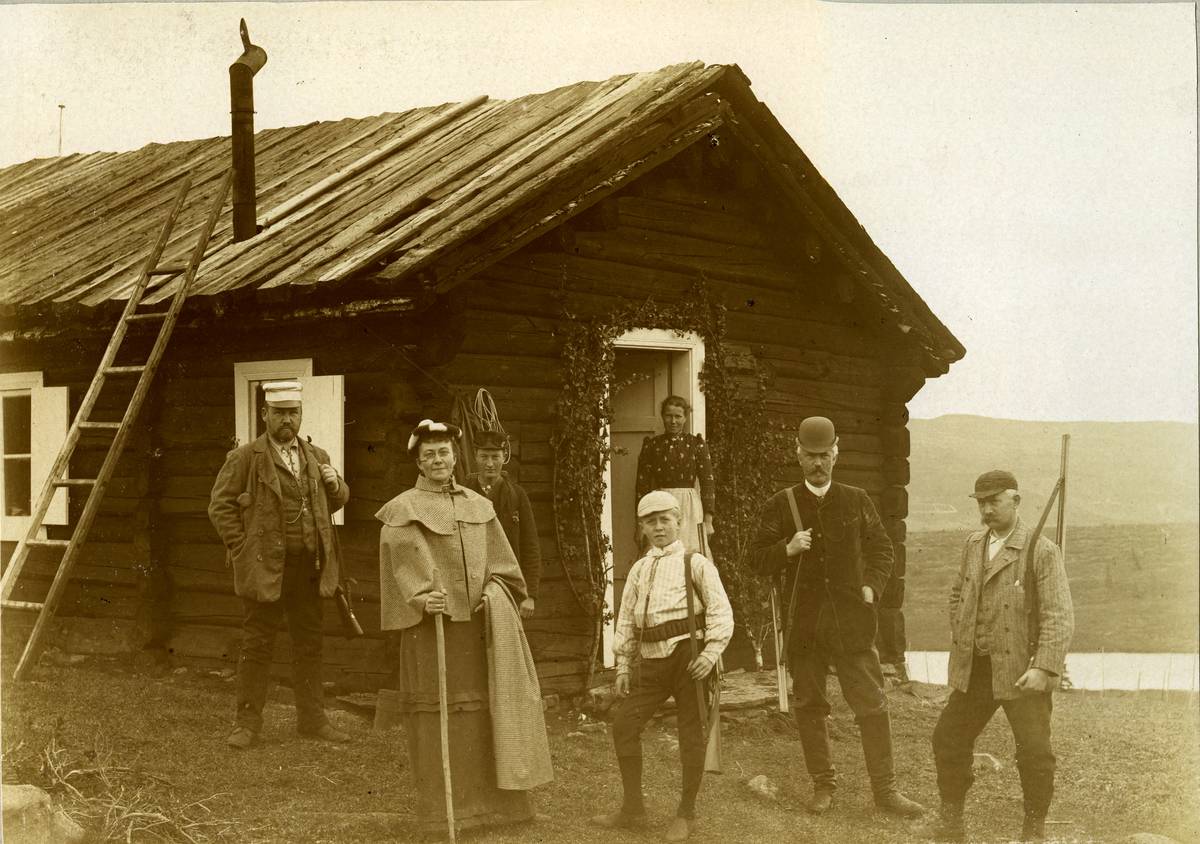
x: 143, y: 759
x: 113, y: 802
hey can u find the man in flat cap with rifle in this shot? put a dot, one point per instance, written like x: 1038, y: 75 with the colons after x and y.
x: 271, y: 506
x: 1011, y: 620
x: 828, y: 542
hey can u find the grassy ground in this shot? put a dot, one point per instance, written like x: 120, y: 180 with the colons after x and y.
x: 1127, y: 764
x: 1133, y: 592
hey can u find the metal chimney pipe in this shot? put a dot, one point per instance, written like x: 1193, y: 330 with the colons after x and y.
x: 241, y: 99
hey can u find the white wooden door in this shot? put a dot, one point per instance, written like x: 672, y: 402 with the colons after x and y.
x: 641, y: 380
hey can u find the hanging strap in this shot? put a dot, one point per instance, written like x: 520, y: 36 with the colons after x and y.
x: 688, y: 589
x: 787, y: 620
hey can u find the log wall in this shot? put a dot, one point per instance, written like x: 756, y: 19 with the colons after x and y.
x: 156, y: 567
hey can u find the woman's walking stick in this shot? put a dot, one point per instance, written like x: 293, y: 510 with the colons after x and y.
x: 445, y: 712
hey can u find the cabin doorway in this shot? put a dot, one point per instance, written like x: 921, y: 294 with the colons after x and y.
x: 650, y: 365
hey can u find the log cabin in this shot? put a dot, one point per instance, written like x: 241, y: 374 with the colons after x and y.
x: 400, y: 262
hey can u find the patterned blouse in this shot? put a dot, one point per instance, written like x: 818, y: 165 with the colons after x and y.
x: 675, y: 461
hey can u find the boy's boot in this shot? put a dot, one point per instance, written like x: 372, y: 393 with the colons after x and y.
x: 814, y: 739
x: 949, y: 826
x: 633, y: 810
x: 877, y: 750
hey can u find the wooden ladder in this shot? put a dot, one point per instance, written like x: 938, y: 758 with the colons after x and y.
x: 120, y: 430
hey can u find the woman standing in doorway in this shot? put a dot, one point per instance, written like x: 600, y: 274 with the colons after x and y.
x: 679, y: 464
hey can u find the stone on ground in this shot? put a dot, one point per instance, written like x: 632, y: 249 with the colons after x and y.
x: 763, y: 787
x: 30, y: 818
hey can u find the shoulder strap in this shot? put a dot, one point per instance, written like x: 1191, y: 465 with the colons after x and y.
x: 791, y: 497
x: 689, y: 589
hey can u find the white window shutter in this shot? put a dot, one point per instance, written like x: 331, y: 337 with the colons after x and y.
x: 51, y: 416
x: 324, y: 420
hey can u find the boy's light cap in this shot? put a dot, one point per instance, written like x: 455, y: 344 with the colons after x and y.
x: 283, y: 393
x: 657, y: 502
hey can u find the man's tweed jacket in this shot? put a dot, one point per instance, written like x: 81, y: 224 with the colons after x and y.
x: 1004, y: 621
x: 246, y: 508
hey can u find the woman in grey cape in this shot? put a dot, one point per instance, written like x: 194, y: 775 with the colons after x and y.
x: 442, y: 550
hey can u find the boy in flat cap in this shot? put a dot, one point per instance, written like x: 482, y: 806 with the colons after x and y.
x: 271, y: 505
x: 663, y: 589
x: 1011, y: 620
x: 512, y: 509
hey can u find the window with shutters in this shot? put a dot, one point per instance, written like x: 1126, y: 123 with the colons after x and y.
x: 34, y: 421
x: 324, y: 406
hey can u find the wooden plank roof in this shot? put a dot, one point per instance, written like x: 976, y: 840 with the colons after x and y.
x: 423, y: 198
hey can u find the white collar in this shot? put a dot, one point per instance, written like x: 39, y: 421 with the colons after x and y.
x: 819, y: 492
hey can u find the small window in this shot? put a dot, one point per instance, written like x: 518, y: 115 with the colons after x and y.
x: 33, y: 426
x: 324, y: 406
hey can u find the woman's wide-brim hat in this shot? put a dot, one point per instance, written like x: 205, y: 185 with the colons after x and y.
x: 427, y: 428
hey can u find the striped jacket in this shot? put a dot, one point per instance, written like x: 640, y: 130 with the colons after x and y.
x: 995, y: 589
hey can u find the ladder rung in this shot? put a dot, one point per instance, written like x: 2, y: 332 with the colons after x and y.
x: 49, y: 543
x: 21, y: 605
x: 139, y: 317
x: 100, y: 426
x: 76, y: 482
x: 172, y: 270
x: 124, y: 370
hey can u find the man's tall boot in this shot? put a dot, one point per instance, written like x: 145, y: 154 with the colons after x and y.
x: 818, y: 758
x: 633, y: 810
x: 1034, y: 828
x: 877, y: 750
x: 950, y: 825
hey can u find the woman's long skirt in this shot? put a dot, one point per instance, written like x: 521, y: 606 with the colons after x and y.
x: 477, y: 799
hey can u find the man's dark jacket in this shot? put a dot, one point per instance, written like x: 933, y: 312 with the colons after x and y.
x: 516, y: 517
x: 850, y: 550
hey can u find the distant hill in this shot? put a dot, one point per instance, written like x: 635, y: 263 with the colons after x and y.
x: 1118, y: 472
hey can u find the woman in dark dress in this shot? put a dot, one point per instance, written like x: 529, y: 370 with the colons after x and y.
x: 679, y: 464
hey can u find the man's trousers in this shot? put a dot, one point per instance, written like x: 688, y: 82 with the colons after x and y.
x: 652, y: 683
x: 963, y: 719
x: 300, y: 605
x: 861, y: 679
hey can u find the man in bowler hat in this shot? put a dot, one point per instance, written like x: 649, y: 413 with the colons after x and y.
x: 829, y: 543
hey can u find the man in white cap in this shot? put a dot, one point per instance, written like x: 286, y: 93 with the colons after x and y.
x: 828, y: 542
x: 654, y: 663
x: 271, y: 506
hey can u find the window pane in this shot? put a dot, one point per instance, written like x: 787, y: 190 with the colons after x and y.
x: 18, y: 411
x: 18, y: 498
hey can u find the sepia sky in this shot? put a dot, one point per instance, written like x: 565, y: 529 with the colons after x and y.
x: 1029, y: 168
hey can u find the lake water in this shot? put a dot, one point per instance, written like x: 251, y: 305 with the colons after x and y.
x: 1095, y: 671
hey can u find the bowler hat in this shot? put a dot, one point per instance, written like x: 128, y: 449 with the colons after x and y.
x: 990, y: 483
x: 657, y: 502
x: 817, y: 435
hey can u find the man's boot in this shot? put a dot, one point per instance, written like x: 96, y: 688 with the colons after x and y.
x: 1034, y: 827
x: 949, y: 825
x: 814, y: 738
x: 877, y: 750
